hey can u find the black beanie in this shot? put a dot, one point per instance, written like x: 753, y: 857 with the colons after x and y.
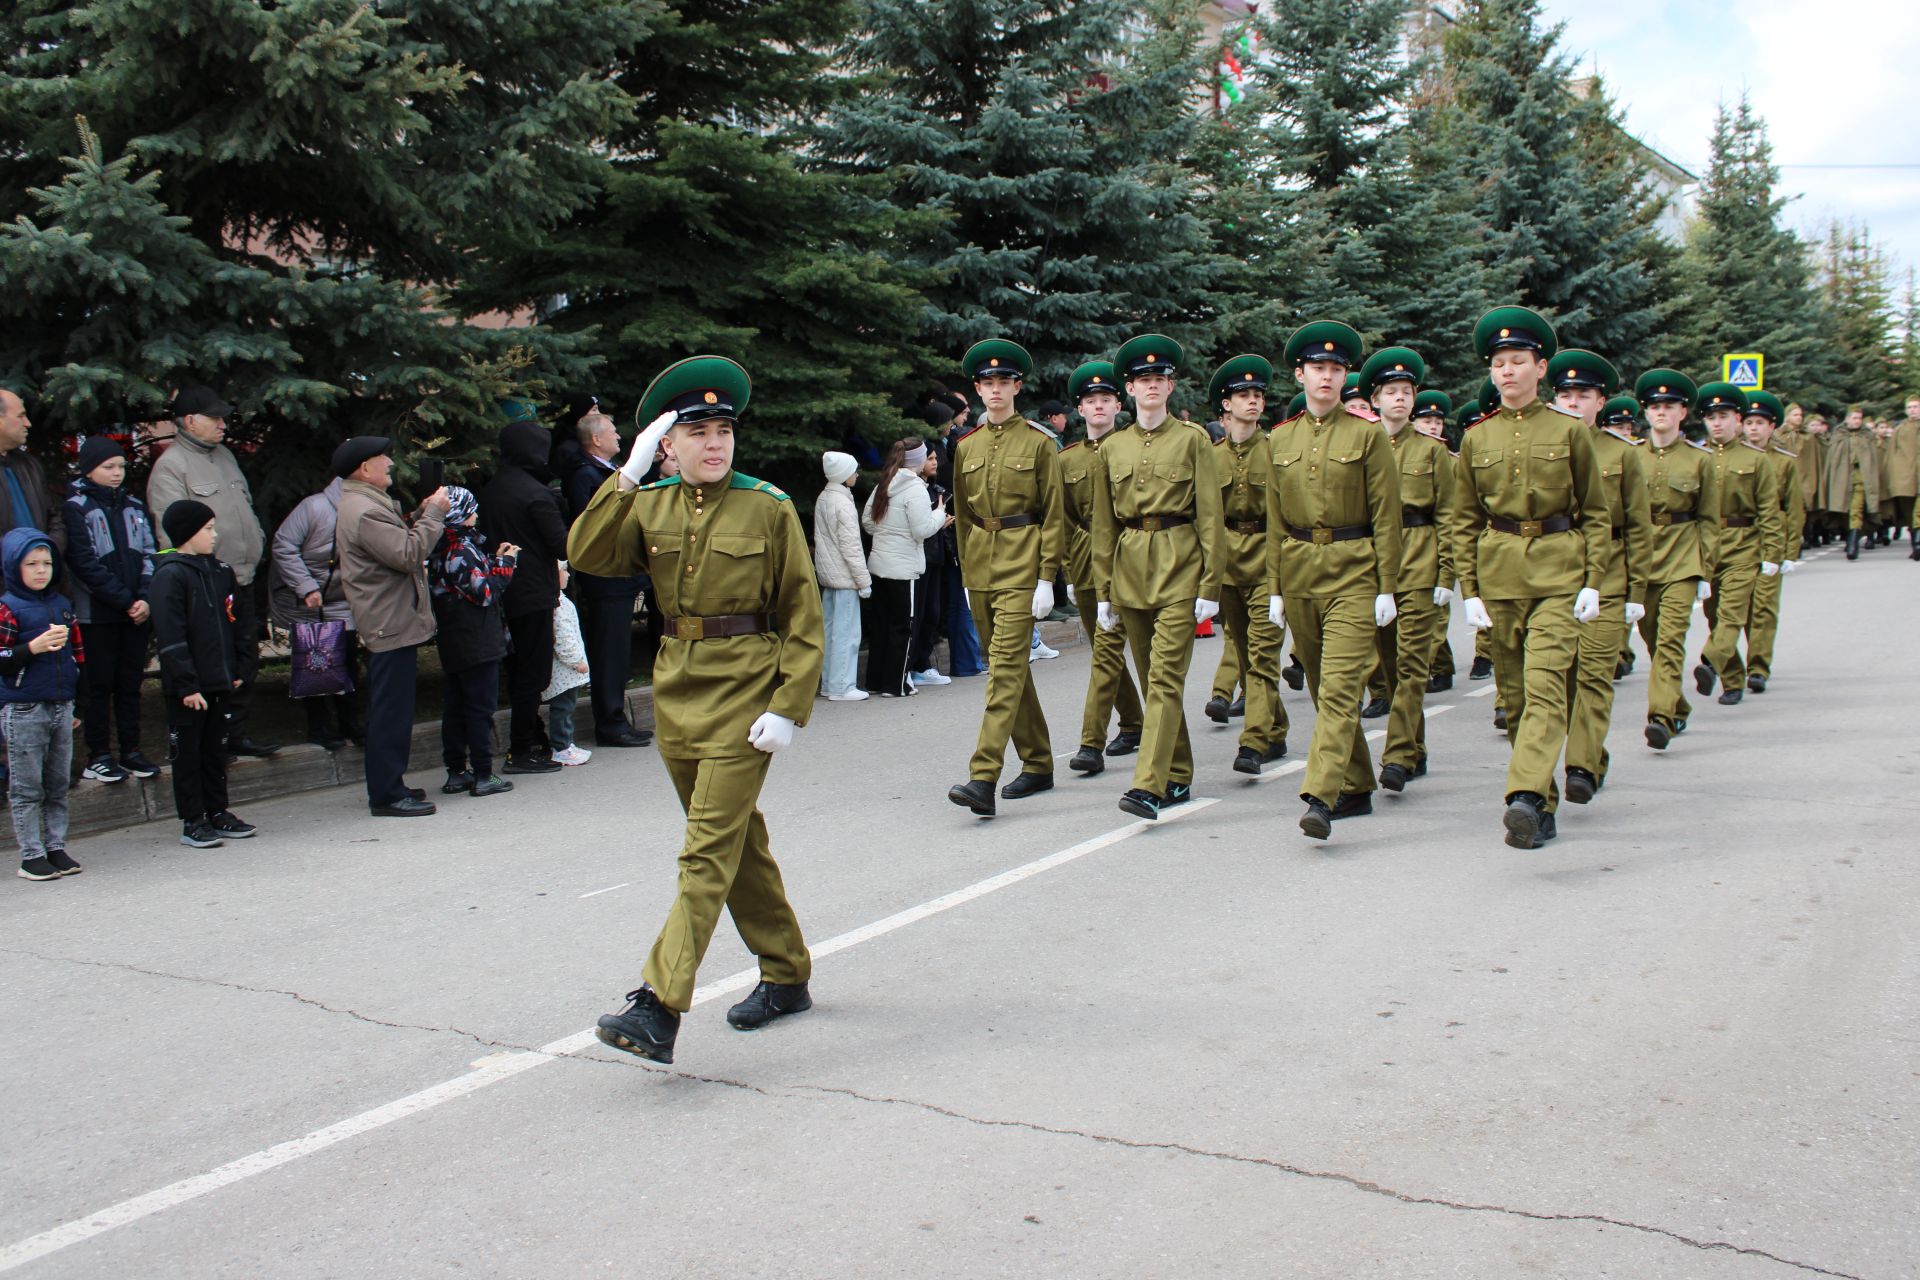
x: 96, y: 450
x: 184, y: 519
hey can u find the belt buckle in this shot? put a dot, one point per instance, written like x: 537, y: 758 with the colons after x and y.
x: 1532, y: 528
x: 688, y: 629
x: 1150, y: 524
x: 1663, y: 517
x: 1322, y: 537
x: 990, y: 523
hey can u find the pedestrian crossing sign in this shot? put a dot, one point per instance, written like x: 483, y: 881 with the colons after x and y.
x: 1746, y: 371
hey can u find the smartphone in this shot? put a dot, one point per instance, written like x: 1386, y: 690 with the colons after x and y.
x: 433, y: 474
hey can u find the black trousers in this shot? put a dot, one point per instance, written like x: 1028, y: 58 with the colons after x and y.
x: 892, y: 633
x: 606, y: 627
x: 337, y: 713
x: 929, y: 609
x: 529, y: 669
x: 197, y: 751
x: 390, y: 686
x: 110, y: 683
x: 471, y: 696
x: 246, y: 645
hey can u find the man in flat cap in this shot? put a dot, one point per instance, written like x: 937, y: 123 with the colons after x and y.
x: 1752, y: 537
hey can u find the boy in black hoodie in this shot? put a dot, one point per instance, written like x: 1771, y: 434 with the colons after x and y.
x: 40, y: 653
x: 110, y: 553
x: 200, y: 666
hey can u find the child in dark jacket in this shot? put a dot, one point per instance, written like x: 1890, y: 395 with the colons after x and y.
x: 40, y: 657
x: 110, y: 553
x: 200, y: 667
x: 467, y: 586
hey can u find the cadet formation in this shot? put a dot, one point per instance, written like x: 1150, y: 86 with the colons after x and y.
x: 1562, y: 510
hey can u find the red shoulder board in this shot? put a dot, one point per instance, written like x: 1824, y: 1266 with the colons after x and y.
x: 1295, y: 418
x: 1365, y: 415
x: 1075, y: 445
x: 964, y: 434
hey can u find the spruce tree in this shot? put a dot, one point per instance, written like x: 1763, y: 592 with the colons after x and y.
x: 1858, y: 297
x: 1910, y: 342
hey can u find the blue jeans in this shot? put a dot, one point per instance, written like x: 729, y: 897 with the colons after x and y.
x: 560, y: 718
x: 963, y: 640
x: 39, y: 754
x: 841, y: 608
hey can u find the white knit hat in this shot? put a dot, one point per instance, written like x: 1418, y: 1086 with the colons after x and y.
x: 838, y: 466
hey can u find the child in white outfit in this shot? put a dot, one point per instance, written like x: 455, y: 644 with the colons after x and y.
x: 569, y: 673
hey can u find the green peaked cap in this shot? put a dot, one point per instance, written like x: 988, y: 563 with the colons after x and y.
x: 1150, y: 353
x: 994, y: 358
x: 1669, y: 385
x: 1241, y: 373
x: 1517, y: 328
x: 1325, y: 340
x: 697, y: 388
x: 1094, y: 375
x: 1767, y: 405
x: 1720, y: 395
x: 1297, y: 405
x: 1619, y: 412
x: 1436, y: 403
x: 1393, y: 364
x: 1576, y: 368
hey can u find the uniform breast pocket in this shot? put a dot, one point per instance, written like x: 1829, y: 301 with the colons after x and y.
x: 1416, y: 484
x: 1550, y: 466
x: 1482, y: 459
x: 1019, y: 478
x: 663, y: 547
x: 1175, y: 473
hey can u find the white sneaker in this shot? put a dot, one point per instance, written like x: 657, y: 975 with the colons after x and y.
x: 573, y: 755
x: 851, y: 695
x: 1040, y: 651
x: 931, y: 676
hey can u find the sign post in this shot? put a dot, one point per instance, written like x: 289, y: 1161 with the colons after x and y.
x: 1746, y: 370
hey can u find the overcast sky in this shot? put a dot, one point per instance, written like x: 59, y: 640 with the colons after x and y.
x: 1836, y: 84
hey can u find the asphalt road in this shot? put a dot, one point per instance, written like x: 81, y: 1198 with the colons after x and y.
x: 1679, y: 1041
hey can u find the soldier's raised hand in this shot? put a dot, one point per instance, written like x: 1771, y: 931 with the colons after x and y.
x: 640, y: 459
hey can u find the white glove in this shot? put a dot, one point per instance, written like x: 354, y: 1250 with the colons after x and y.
x: 1043, y: 600
x: 1071, y: 597
x: 640, y: 459
x: 1105, y: 617
x: 1442, y: 597
x: 1586, y: 605
x: 1768, y: 568
x: 1789, y: 566
x: 770, y: 733
x: 1705, y: 590
x: 1635, y: 612
x: 1384, y: 611
x: 1276, y: 611
x: 1477, y: 616
x: 1205, y: 610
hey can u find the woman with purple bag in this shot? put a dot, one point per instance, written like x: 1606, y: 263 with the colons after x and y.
x: 306, y: 588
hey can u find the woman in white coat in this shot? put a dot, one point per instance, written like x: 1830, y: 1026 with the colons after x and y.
x: 841, y: 565
x: 901, y: 516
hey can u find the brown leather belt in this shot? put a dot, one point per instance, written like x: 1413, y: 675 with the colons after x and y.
x: 1321, y: 537
x: 1247, y: 526
x: 1736, y: 522
x: 993, y: 524
x: 728, y: 624
x: 1531, y: 528
x: 1664, y: 518
x: 1153, y: 524
x: 1414, y: 518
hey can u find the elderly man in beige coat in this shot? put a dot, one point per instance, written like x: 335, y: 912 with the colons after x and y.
x: 383, y: 565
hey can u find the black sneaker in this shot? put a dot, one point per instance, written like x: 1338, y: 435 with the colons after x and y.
x: 1177, y: 793
x: 227, y: 825
x: 531, y: 763
x: 1482, y: 669
x: 65, y: 865
x: 102, y: 769
x: 199, y: 834
x: 138, y: 765
x: 38, y: 869
x: 1141, y: 804
x: 491, y: 785
x: 1088, y: 760
x: 769, y: 1000
x: 458, y: 780
x: 646, y: 1029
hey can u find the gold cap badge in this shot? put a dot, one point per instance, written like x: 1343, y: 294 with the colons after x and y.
x: 712, y: 398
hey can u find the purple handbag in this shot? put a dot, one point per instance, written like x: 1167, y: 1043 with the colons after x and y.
x: 320, y: 660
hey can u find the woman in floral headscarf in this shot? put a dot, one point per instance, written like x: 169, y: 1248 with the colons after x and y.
x: 467, y: 584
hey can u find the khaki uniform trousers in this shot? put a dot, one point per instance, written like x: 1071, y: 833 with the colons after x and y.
x: 1729, y: 612
x: 1669, y: 615
x: 1255, y: 644
x: 1162, y: 644
x: 1406, y: 649
x: 1226, y: 673
x: 1109, y: 687
x: 1857, y: 504
x: 1005, y: 622
x: 1535, y: 648
x: 1591, y: 714
x: 1765, y: 625
x: 1334, y: 640
x: 724, y: 861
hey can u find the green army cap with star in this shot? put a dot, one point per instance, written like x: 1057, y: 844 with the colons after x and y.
x: 996, y: 358
x: 1664, y: 386
x: 1297, y: 405
x: 1147, y: 355
x: 1091, y: 377
x: 1575, y: 369
x: 1619, y: 412
x: 1433, y: 404
x: 1765, y: 404
x: 1351, y: 388
x: 1324, y: 340
x: 1489, y: 398
x: 1514, y: 329
x: 1720, y: 395
x: 696, y: 389
x: 1241, y: 373
x: 1470, y: 413
x: 1393, y: 364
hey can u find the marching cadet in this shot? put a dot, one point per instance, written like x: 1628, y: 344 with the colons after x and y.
x: 1095, y: 392
x: 736, y: 674
x: 1804, y: 448
x: 1430, y: 411
x: 1424, y: 587
x: 1012, y: 535
x: 1156, y: 560
x: 1851, y: 478
x: 1531, y: 548
x: 1293, y: 673
x: 1684, y: 507
x: 1751, y: 538
x: 1581, y: 382
x: 1333, y: 563
x: 1903, y: 472
x: 1763, y: 415
x: 1621, y: 415
x: 1239, y: 390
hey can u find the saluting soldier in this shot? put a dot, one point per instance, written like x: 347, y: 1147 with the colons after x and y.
x: 1156, y: 560
x: 1581, y: 382
x: 1531, y: 546
x: 1095, y: 392
x: 1763, y: 416
x: 1684, y: 507
x: 1751, y: 532
x: 738, y: 666
x: 1424, y: 587
x: 1239, y: 390
x: 1430, y: 412
x: 1333, y: 563
x: 1011, y: 531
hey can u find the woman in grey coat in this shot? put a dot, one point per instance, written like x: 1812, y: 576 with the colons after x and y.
x: 305, y: 586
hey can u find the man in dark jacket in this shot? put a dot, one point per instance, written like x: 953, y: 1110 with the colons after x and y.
x: 24, y: 501
x: 606, y: 604
x: 111, y: 543
x: 519, y: 505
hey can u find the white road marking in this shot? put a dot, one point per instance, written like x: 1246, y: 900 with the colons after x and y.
x: 624, y: 884
x: 496, y: 1068
x: 1481, y: 693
